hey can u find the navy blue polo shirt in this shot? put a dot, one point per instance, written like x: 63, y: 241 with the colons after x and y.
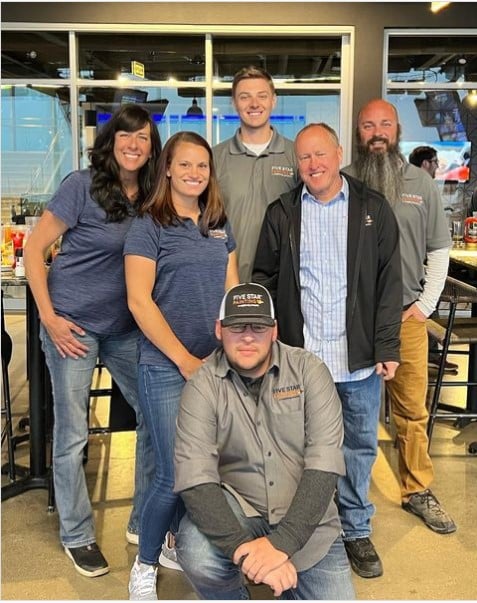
x: 86, y: 280
x: 190, y: 280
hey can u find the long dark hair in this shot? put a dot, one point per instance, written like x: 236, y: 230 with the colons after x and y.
x: 160, y: 205
x: 106, y: 188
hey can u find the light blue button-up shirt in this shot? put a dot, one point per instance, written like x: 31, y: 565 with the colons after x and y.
x: 323, y: 278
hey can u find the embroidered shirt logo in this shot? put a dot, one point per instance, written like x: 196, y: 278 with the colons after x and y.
x: 218, y: 233
x: 368, y: 220
x: 282, y: 170
x: 415, y: 199
x: 283, y: 393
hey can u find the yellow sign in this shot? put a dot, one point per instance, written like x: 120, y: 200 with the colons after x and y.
x: 137, y: 69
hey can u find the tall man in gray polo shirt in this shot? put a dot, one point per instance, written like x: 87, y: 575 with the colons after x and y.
x: 256, y: 165
x: 425, y: 244
x: 257, y: 460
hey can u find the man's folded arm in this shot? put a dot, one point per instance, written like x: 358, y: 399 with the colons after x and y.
x: 311, y: 500
x: 209, y: 510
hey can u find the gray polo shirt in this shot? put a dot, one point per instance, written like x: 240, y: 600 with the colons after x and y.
x: 258, y: 451
x: 423, y: 226
x: 249, y: 183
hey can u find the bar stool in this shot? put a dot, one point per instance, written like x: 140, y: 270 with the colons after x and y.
x: 7, y: 429
x: 8, y: 434
x: 121, y: 418
x: 449, y: 332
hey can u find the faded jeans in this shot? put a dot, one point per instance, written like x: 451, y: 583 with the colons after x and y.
x: 361, y: 401
x: 160, y: 389
x: 71, y: 383
x: 214, y: 576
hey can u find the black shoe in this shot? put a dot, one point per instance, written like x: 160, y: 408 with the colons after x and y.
x: 426, y: 506
x: 363, y: 558
x: 88, y: 560
x: 434, y: 360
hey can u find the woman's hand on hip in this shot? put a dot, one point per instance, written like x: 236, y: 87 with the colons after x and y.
x: 61, y: 332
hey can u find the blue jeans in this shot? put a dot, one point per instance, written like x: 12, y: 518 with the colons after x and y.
x: 215, y: 576
x: 71, y: 383
x: 361, y: 402
x: 160, y: 389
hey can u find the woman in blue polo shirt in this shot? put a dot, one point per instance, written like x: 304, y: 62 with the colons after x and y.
x: 84, y: 314
x: 179, y: 260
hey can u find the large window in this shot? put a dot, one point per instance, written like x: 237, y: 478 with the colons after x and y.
x: 36, y: 146
x: 181, y: 74
x: 431, y: 77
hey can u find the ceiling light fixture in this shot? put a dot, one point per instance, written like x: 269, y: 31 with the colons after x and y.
x: 471, y: 99
x: 438, y: 6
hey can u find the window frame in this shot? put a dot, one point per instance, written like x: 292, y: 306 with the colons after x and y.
x: 344, y: 88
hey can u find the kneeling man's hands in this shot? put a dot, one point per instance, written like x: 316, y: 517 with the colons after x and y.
x: 282, y: 578
x: 260, y: 558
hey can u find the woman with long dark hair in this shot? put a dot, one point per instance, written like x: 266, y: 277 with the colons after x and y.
x: 84, y: 313
x: 180, y: 259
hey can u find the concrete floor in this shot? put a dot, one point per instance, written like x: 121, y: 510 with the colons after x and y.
x: 418, y: 564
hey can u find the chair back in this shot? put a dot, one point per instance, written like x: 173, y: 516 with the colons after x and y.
x: 456, y: 291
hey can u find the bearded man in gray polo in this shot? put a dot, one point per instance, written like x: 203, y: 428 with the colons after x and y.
x: 425, y: 243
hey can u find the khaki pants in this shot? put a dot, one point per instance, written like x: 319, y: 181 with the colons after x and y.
x: 407, y: 392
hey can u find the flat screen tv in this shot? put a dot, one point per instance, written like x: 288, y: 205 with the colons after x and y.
x: 441, y: 109
x: 105, y: 110
x: 129, y: 95
x: 453, y: 156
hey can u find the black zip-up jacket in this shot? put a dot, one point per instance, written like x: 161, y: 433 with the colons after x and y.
x: 374, y: 298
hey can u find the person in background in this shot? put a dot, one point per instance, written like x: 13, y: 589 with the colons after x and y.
x: 256, y: 165
x: 426, y: 158
x: 329, y: 254
x: 84, y: 314
x: 179, y: 259
x: 257, y: 460
x: 425, y: 244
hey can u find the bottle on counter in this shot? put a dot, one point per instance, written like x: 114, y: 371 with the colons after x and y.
x: 19, y: 265
x: 470, y: 230
x: 17, y: 238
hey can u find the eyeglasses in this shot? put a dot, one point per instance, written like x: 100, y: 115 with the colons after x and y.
x: 436, y: 161
x: 256, y: 328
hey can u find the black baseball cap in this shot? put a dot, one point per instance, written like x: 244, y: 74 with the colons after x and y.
x: 247, y: 303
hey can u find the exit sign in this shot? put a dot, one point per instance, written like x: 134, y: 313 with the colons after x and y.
x: 137, y: 68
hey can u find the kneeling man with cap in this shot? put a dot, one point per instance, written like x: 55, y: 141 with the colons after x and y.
x: 257, y: 460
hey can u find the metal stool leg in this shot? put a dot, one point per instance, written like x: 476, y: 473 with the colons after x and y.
x: 8, y: 429
x: 440, y: 373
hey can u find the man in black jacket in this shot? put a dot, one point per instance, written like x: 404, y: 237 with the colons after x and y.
x: 329, y: 255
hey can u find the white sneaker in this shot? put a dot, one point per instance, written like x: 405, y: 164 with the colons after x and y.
x: 142, y: 582
x: 132, y: 537
x: 168, y: 556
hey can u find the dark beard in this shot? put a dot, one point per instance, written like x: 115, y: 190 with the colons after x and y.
x: 381, y: 171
